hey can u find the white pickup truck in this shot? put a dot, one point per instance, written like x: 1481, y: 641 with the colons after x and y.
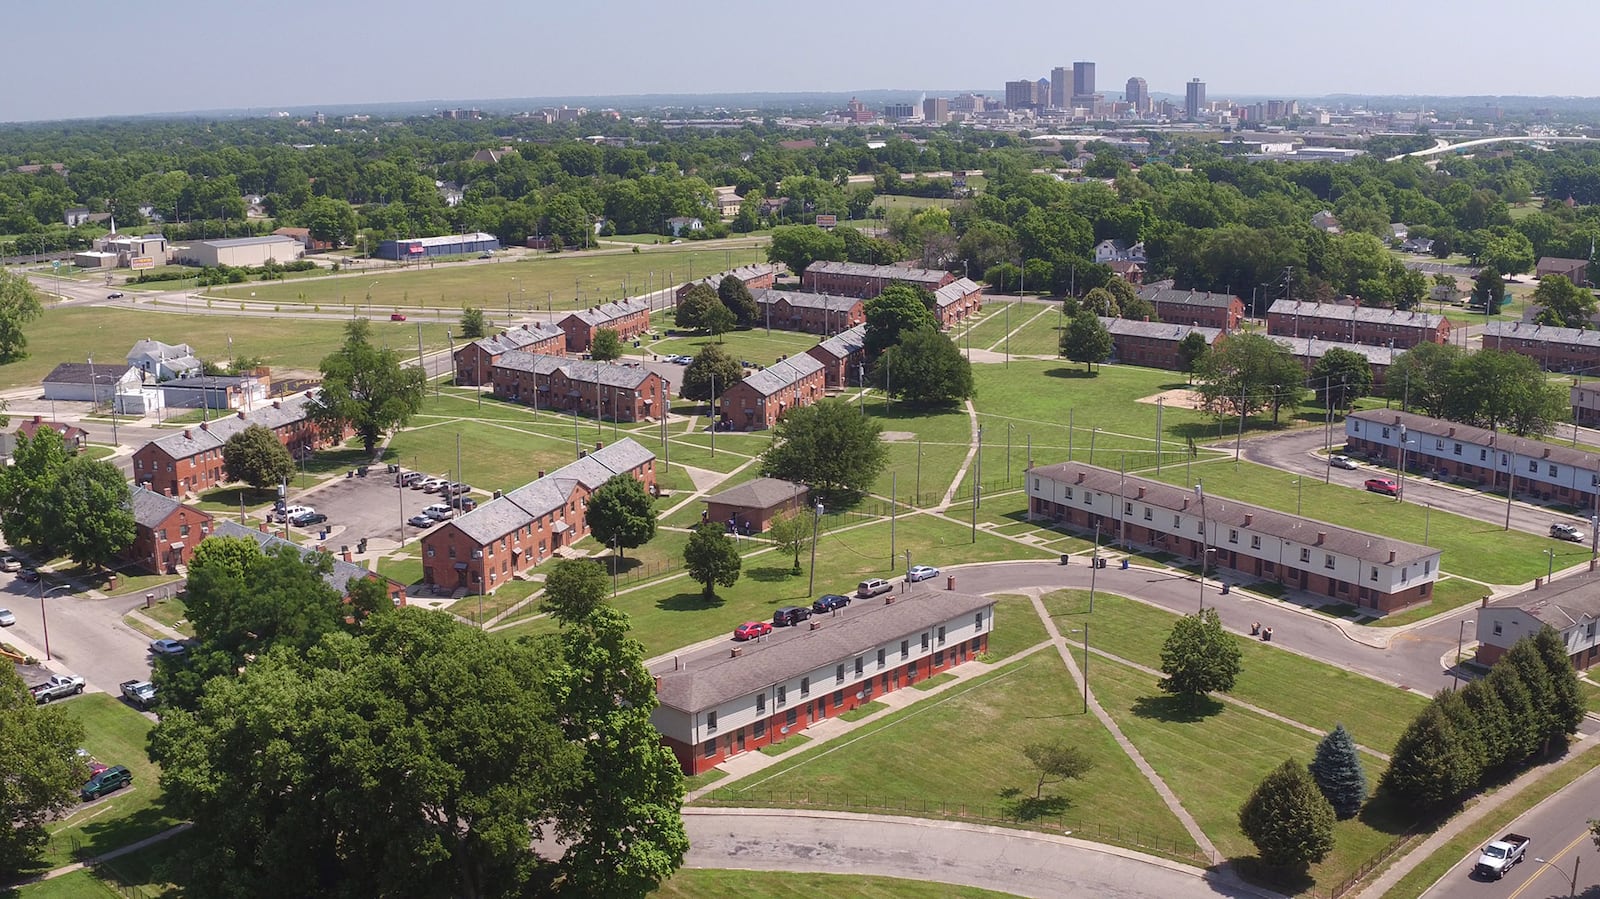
x: 1498, y: 857
x: 59, y: 686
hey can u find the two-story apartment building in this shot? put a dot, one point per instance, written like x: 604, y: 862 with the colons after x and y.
x: 190, y: 461
x: 956, y: 300
x: 755, y: 277
x: 723, y: 702
x: 629, y: 318
x: 597, y: 389
x: 1357, y: 324
x: 483, y: 549
x: 475, y: 361
x: 1367, y: 570
x: 857, y: 279
x: 1194, y: 307
x: 165, y: 531
x: 1571, y: 605
x: 1586, y: 403
x: 814, y: 313
x: 842, y: 356
x: 758, y: 401
x: 1309, y: 349
x: 1152, y: 344
x: 1545, y: 471
x: 1554, y: 349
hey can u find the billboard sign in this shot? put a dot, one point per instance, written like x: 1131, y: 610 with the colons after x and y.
x: 142, y: 263
x: 827, y: 221
x: 416, y: 249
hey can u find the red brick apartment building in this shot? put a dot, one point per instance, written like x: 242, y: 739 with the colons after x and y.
x: 344, y: 571
x: 1194, y: 307
x: 752, y: 505
x: 165, y: 532
x: 1356, y: 324
x: 475, y: 361
x: 757, y: 402
x: 1554, y: 349
x: 956, y: 300
x: 1309, y: 349
x: 857, y: 279
x: 755, y: 277
x: 190, y: 461
x: 629, y: 318
x: 1367, y: 570
x: 814, y: 313
x: 841, y: 356
x: 624, y: 392
x: 1152, y: 344
x: 483, y: 549
x: 1571, y: 605
x: 737, y: 698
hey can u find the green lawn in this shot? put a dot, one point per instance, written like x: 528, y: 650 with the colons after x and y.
x: 865, y: 710
x: 988, y: 327
x: 116, y: 736
x: 756, y: 345
x: 1291, y: 685
x: 1039, y: 333
x: 1016, y: 627
x: 711, y: 883
x: 960, y: 753
x: 494, y: 456
x: 172, y: 613
x: 1449, y: 593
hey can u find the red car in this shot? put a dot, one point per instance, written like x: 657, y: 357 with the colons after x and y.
x: 397, y: 316
x: 751, y: 630
x: 1383, y: 485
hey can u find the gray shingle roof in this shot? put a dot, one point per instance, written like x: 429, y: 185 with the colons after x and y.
x: 611, y: 374
x: 886, y: 272
x: 151, y: 508
x: 1156, y: 330
x: 845, y: 343
x: 1438, y: 427
x: 1164, y: 293
x: 1576, y: 337
x: 517, y: 338
x: 1371, y: 314
x: 1316, y: 349
x: 339, y: 578
x: 806, y: 300
x: 955, y: 292
x: 746, y: 273
x: 536, y: 498
x: 761, y: 493
x: 783, y: 374
x: 103, y: 374
x: 601, y: 316
x: 1561, y: 603
x: 212, y: 434
x: 862, y: 627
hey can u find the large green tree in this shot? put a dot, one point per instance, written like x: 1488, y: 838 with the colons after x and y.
x: 1247, y: 373
x: 1503, y: 390
x: 1563, y: 304
x: 1420, y: 377
x: 1429, y: 765
x: 694, y: 305
x: 607, y: 345
x: 1288, y: 819
x: 473, y: 323
x: 575, y: 587
x: 791, y: 531
x: 1336, y: 767
x: 27, y: 486
x: 737, y: 297
x: 19, y: 305
x: 620, y: 514
x: 797, y: 246
x: 257, y: 457
x: 1199, y: 657
x: 1566, y: 703
x: 899, y: 309
x: 830, y: 447
x: 90, y: 514
x: 1488, y: 289
x: 927, y: 368
x: 365, y: 389
x: 711, y: 364
x: 42, y: 772
x: 712, y: 559
x: 1340, y: 378
x: 1055, y: 761
x: 1086, y: 339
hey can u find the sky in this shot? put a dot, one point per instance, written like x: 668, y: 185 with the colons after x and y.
x: 108, y: 58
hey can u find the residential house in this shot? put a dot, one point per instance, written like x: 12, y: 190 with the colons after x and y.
x: 1326, y: 222
x: 450, y: 193
x: 1309, y: 349
x: 750, y: 507
x: 629, y: 318
x: 163, y: 361
x: 1574, y: 270
x: 90, y: 383
x: 1152, y: 344
x: 1357, y: 324
x: 80, y: 215
x: 1367, y: 570
x: 867, y: 281
x: 475, y: 361
x: 481, y: 551
x: 758, y: 401
x: 1194, y: 307
x: 190, y: 461
x: 815, y: 313
x: 720, y: 702
x: 165, y: 531
x: 312, y: 244
x: 1555, y: 349
x: 72, y: 436
x: 1109, y: 251
x: 1398, y: 233
x: 1586, y: 403
x: 343, y: 573
x: 620, y: 392
x: 1570, y: 605
x: 682, y: 224
x: 755, y: 277
x: 1128, y: 270
x: 842, y: 356
x: 728, y: 202
x: 956, y: 300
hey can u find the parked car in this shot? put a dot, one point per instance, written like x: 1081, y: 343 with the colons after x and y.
x: 28, y: 574
x: 921, y: 573
x: 421, y: 483
x: 110, y: 780
x: 397, y: 316
x: 751, y: 630
x: 7, y: 618
x: 59, y: 686
x: 1344, y: 462
x: 466, y: 503
x: 141, y: 693
x: 166, y: 647
x: 433, y: 485
x: 1383, y: 485
x: 790, y: 615
x: 873, y: 587
x: 681, y: 359
x: 1566, y: 532
x: 289, y: 513
x: 307, y: 519
x: 829, y: 602
x: 421, y: 521
x: 115, y: 295
x: 455, y: 489
x: 408, y: 478
x: 10, y: 563
x: 486, y: 254
x: 439, y: 511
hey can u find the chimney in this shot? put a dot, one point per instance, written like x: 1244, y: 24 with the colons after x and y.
x: 657, y: 679
x: 241, y: 415
x: 205, y: 425
x: 541, y: 472
x: 188, y: 433
x: 263, y: 527
x: 1249, y: 517
x: 277, y: 404
x: 1185, y: 503
x: 1146, y: 318
x: 1452, y: 433
x: 38, y: 419
x: 1321, y: 536
x: 1547, y: 452
x: 1080, y: 477
x: 599, y: 445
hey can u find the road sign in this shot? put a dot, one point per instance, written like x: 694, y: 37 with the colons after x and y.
x: 55, y: 265
x: 142, y: 263
x: 827, y: 221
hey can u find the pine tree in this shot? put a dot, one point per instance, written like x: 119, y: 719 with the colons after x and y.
x: 1469, y: 730
x: 1429, y: 766
x: 1543, y: 717
x: 1568, y: 705
x: 1287, y: 818
x: 1336, y: 767
x: 1493, y: 727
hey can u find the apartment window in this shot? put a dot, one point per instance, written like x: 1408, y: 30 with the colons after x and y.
x: 941, y: 635
x: 1233, y: 535
x: 1035, y: 485
x: 1427, y: 566
x: 760, y: 728
x: 1374, y: 575
x: 1497, y: 628
x: 977, y: 621
x: 452, y: 552
x: 711, y: 722
x: 805, y: 687
x: 859, y: 661
x: 938, y: 659
x: 1552, y: 471
x: 880, y: 658
x: 711, y: 749
x: 1483, y: 455
x: 790, y: 718
x: 838, y: 699
x: 1176, y: 522
x: 1456, y: 450
x: 924, y: 641
x: 430, y: 552
x: 1255, y: 541
x: 1327, y: 561
x: 1127, y: 508
x: 905, y: 649
x: 1069, y: 493
x: 1356, y: 426
x: 1385, y: 433
x: 1591, y: 630
x: 783, y: 694
x: 1533, y: 466
x: 761, y: 702
x: 1438, y: 444
x: 838, y: 674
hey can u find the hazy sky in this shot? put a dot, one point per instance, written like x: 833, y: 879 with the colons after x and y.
x: 107, y: 58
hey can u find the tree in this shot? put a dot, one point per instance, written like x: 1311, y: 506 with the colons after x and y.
x: 1336, y: 767
x: 900, y: 308
x: 19, y: 304
x: 1340, y: 378
x: 257, y: 457
x: 1408, y: 288
x: 830, y: 447
x: 694, y: 305
x: 1191, y: 349
x: 718, y: 320
x: 1249, y: 372
x: 736, y: 296
x: 712, y: 559
x: 1563, y: 304
x: 1470, y: 732
x: 1288, y: 819
x: 1086, y: 339
x: 791, y: 531
x: 574, y: 588
x: 1488, y: 289
x: 607, y: 346
x: 1429, y: 765
x: 365, y: 389
x: 28, y: 485
x: 1199, y: 657
x: 797, y: 246
x: 1566, y: 704
x: 711, y: 363
x: 1594, y: 831
x: 1509, y: 254
x: 620, y: 514
x: 1101, y: 301
x: 473, y: 323
x: 927, y: 368
x: 42, y: 771
x: 90, y: 515
x: 329, y: 219
x: 1056, y: 761
x: 1495, y: 390
x: 1420, y: 377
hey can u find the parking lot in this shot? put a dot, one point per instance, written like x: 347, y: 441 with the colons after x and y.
x: 369, y: 507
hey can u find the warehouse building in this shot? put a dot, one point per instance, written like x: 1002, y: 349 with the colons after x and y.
x: 242, y: 252
x: 434, y: 247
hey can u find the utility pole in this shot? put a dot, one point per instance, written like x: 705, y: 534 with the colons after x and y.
x: 811, y: 586
x: 1205, y: 541
x: 1159, y: 401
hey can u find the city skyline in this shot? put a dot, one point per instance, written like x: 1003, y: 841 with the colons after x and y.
x: 206, y: 56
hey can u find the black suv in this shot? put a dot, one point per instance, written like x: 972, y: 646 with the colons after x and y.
x: 789, y: 615
x: 829, y: 602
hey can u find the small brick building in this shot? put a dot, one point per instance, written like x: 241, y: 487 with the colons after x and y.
x: 841, y: 356
x: 624, y: 392
x: 753, y: 505
x: 1357, y: 324
x: 1152, y: 344
x: 629, y: 318
x: 1194, y: 307
x: 815, y: 313
x: 165, y: 532
x: 475, y: 361
x: 755, y: 277
x: 858, y: 279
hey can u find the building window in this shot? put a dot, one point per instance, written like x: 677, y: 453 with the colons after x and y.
x: 859, y: 661
x: 790, y: 718
x: 761, y: 702
x: 711, y: 749
x: 452, y: 552
x: 905, y: 649
x: 783, y: 694
x: 838, y: 699
x: 1456, y: 450
x: 938, y: 659
x: 1035, y: 485
x: 1327, y: 561
x: 1533, y: 466
x: 1069, y: 493
x: 1497, y: 628
x: 1127, y: 508
x: 760, y: 728
x: 838, y: 674
x: 977, y: 622
x: 1305, y: 555
x: 1374, y: 575
x: 1255, y: 541
x: 1233, y: 535
x: 1385, y: 433
x: 805, y: 686
x: 880, y: 658
x: 1552, y: 471
x: 924, y: 641
x: 1148, y: 513
x: 1176, y: 522
x: 941, y: 635
x: 1483, y: 455
x: 711, y: 722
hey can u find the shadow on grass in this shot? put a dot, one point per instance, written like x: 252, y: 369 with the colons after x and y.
x: 1030, y: 808
x: 230, y: 496
x: 1069, y: 373
x: 771, y: 575
x: 688, y: 602
x: 1291, y: 881
x: 1177, y: 709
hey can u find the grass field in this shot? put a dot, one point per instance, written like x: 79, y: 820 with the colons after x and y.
x: 711, y: 883
x: 755, y: 345
x: 929, y: 754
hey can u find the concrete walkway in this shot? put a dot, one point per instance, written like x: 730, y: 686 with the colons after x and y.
x: 106, y: 856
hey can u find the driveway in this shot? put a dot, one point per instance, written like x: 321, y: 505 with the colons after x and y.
x: 993, y: 858
x: 87, y: 636
x: 369, y: 507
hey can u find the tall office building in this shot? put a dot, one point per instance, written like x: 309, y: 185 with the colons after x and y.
x: 1042, y: 96
x: 1137, y: 94
x: 1022, y: 94
x: 1194, y: 98
x: 936, y: 110
x: 1060, y: 88
x: 1083, y: 79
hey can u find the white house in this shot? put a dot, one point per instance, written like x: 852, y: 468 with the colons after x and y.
x: 1570, y: 605
x: 682, y: 223
x: 86, y: 382
x: 163, y: 361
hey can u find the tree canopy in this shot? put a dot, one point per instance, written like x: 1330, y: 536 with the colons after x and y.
x: 1288, y: 819
x: 694, y: 305
x: 1340, y: 378
x: 898, y: 309
x: 473, y: 323
x: 42, y: 771
x: 1199, y: 657
x: 797, y: 246
x: 1503, y: 390
x: 1336, y: 767
x: 927, y: 368
x: 366, y: 389
x: 90, y: 514
x: 712, y: 559
x: 736, y: 296
x: 620, y: 514
x: 830, y: 447
x: 1086, y: 339
x: 606, y: 346
x: 1248, y: 373
x: 257, y: 457
x: 19, y: 305
x: 1564, y: 304
x: 711, y: 363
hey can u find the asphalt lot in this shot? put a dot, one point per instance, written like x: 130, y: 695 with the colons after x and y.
x: 370, y: 507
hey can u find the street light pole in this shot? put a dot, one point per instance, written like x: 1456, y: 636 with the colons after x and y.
x: 816, y: 520
x: 1461, y: 633
x: 46, y: 618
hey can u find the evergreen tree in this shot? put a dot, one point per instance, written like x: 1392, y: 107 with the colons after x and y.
x: 1429, y: 766
x: 736, y: 296
x: 1522, y: 724
x: 1288, y: 818
x: 1469, y: 730
x: 1543, y: 717
x: 1336, y: 767
x: 1493, y: 726
x: 1567, y: 705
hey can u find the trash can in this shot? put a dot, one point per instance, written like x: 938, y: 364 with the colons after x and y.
x: 950, y: 582
x: 323, y: 534
x: 1099, y: 562
x: 1064, y: 558
x: 1124, y: 564
x: 1226, y: 588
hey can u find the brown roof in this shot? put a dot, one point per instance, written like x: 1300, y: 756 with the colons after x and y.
x: 1560, y: 604
x: 761, y: 493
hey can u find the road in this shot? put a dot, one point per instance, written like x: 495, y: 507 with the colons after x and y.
x: 1560, y: 831
x: 87, y: 636
x: 994, y: 858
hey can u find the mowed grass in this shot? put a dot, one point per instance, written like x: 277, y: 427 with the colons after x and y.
x: 714, y: 883
x: 755, y: 345
x: 928, y: 759
x: 1274, y: 679
x: 1479, y: 550
x: 1448, y: 593
x: 569, y: 280
x: 493, y: 456
x: 1016, y: 627
x: 1040, y: 333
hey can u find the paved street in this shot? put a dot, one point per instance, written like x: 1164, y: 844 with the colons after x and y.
x: 994, y: 858
x: 87, y: 636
